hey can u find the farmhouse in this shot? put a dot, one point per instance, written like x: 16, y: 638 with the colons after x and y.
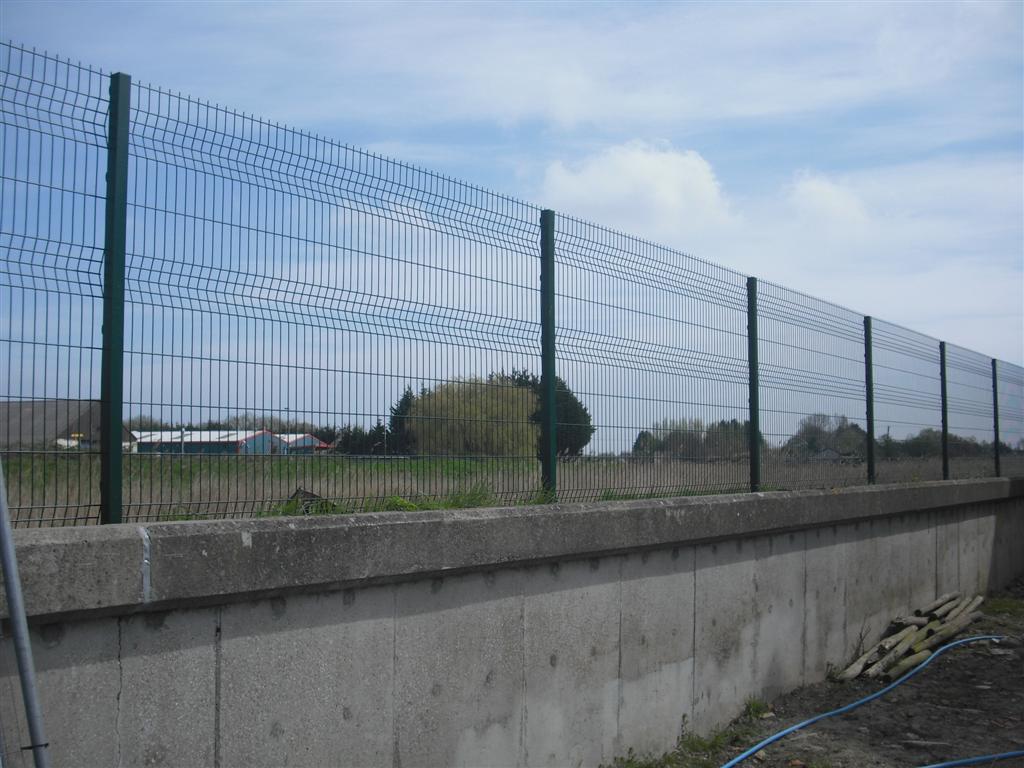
x: 219, y: 441
x: 303, y: 443
x: 50, y: 424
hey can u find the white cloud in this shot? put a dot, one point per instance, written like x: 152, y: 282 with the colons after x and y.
x: 601, y: 66
x: 666, y: 194
x: 933, y: 246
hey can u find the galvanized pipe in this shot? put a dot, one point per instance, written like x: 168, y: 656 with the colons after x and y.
x: 19, y: 627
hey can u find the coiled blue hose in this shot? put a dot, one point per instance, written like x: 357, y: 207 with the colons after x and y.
x: 977, y: 760
x: 850, y: 707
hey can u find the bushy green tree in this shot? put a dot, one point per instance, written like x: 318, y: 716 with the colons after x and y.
x: 357, y: 441
x: 475, y: 417
x: 400, y: 435
x: 574, y: 427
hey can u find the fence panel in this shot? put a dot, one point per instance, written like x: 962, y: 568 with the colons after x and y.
x: 908, y: 406
x: 971, y: 426
x: 1011, y: 418
x: 52, y: 165
x: 653, y: 344
x: 282, y: 283
x: 313, y: 328
x: 813, y: 403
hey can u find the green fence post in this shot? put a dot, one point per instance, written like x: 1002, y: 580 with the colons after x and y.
x: 549, y: 427
x: 869, y: 389
x: 945, y: 411
x: 112, y: 365
x: 995, y: 412
x: 755, y: 386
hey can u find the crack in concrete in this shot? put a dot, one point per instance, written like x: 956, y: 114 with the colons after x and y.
x: 217, y: 686
x: 120, y: 686
x: 396, y: 757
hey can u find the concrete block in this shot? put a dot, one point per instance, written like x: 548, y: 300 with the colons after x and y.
x: 986, y: 531
x: 970, y: 552
x: 78, y: 569
x: 79, y: 683
x: 825, y: 642
x: 877, y: 587
x: 657, y: 649
x: 1008, y: 544
x: 571, y: 620
x: 921, y: 545
x: 726, y: 624
x: 779, y: 581
x: 459, y: 671
x: 947, y: 551
x: 307, y: 680
x: 168, y: 694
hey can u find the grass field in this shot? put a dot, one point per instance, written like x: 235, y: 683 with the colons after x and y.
x: 63, y: 488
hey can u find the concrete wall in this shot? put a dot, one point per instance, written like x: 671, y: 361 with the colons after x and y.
x: 558, y: 635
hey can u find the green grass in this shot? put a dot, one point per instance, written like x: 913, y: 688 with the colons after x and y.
x: 696, y: 751
x: 1004, y: 606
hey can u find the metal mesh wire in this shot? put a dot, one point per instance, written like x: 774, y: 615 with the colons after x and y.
x: 908, y: 405
x: 279, y: 281
x: 1010, y: 380
x: 813, y: 401
x: 653, y: 343
x: 970, y: 413
x: 52, y: 163
x: 311, y: 327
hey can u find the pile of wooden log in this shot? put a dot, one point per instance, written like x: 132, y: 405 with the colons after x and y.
x: 913, y: 639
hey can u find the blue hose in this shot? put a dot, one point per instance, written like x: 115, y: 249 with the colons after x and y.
x: 850, y: 707
x: 977, y: 760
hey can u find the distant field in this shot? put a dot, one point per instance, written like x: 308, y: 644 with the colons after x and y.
x: 63, y: 488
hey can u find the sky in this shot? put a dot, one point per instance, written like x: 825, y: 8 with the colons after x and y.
x: 869, y: 154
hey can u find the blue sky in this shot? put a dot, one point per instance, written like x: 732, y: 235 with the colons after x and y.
x: 869, y: 154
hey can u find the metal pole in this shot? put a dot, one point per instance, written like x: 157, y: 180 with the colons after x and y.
x: 945, y: 411
x: 22, y: 642
x: 754, y: 398
x: 995, y: 412
x: 869, y: 389
x: 549, y: 427
x: 112, y: 367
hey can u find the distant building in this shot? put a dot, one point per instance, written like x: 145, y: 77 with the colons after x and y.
x: 213, y: 441
x: 53, y: 424
x: 303, y: 443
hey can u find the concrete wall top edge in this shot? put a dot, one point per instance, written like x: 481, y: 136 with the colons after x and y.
x: 124, y: 568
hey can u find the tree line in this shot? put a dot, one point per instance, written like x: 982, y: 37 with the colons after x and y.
x: 499, y: 415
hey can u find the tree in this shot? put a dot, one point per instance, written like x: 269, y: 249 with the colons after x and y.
x: 357, y: 441
x: 727, y: 439
x: 475, y: 417
x: 144, y: 423
x: 400, y: 434
x: 645, y: 444
x: 574, y: 428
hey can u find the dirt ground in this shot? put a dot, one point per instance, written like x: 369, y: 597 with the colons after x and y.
x: 968, y: 702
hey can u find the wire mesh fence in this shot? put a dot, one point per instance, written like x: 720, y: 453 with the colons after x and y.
x: 813, y: 401
x: 309, y: 327
x: 908, y: 404
x: 1010, y: 393
x: 300, y: 313
x: 971, y: 413
x: 653, y: 343
x: 52, y: 158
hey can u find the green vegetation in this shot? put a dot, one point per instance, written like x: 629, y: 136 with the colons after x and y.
x: 475, y: 418
x: 694, y: 751
x: 1004, y: 606
x: 693, y: 439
